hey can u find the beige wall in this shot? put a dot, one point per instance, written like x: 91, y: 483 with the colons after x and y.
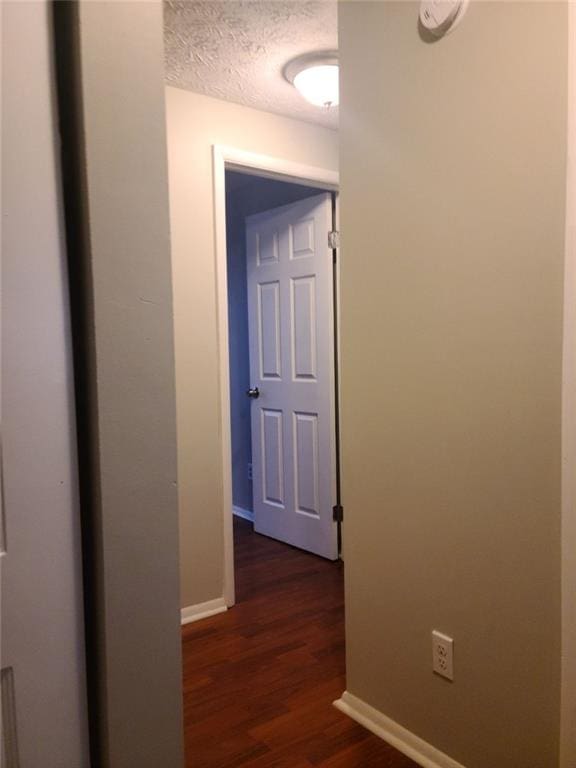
x: 453, y: 168
x: 195, y: 123
x: 568, y: 735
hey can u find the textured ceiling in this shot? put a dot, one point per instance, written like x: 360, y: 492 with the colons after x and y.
x: 236, y: 50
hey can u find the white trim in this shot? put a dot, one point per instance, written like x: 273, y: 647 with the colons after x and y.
x: 245, y: 514
x: 568, y: 659
x: 274, y: 168
x: 202, y: 610
x: 224, y: 157
x: 394, y: 734
x: 219, y: 169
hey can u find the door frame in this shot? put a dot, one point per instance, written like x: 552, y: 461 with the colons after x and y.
x: 231, y: 158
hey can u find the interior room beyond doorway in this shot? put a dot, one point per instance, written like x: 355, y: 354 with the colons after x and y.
x: 246, y: 195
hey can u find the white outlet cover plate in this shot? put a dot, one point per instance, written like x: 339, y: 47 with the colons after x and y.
x: 441, y: 16
x: 443, y: 655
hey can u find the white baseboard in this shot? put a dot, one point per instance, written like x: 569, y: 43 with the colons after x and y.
x: 394, y: 734
x: 246, y: 514
x: 202, y: 610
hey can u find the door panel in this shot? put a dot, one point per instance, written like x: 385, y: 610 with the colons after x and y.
x: 269, y: 330
x: 292, y: 364
x: 306, y: 461
x: 272, y: 456
x: 303, y: 327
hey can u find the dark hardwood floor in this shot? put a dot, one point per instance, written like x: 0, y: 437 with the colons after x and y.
x: 259, y: 680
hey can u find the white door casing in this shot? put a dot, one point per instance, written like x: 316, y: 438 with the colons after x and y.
x: 291, y: 327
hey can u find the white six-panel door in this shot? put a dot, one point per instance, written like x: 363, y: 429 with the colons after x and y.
x: 292, y: 365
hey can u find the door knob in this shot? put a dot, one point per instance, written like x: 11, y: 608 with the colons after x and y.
x: 255, y: 392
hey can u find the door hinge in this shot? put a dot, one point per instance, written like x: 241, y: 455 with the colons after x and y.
x: 334, y: 239
x: 338, y: 513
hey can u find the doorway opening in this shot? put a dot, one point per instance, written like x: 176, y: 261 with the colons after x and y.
x: 278, y: 278
x: 281, y: 345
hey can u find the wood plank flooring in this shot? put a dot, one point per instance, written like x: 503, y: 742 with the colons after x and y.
x: 259, y: 680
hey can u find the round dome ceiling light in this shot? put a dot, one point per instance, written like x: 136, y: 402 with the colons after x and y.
x: 315, y: 76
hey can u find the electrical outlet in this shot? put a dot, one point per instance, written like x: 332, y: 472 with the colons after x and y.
x: 249, y: 470
x: 443, y: 655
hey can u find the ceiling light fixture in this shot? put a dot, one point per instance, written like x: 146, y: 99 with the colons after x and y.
x: 315, y: 75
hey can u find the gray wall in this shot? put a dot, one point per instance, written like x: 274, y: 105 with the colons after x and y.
x: 245, y: 195
x: 130, y: 314
x: 453, y: 173
x: 42, y: 623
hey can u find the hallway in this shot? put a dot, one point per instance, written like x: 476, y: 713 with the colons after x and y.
x: 259, y: 680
